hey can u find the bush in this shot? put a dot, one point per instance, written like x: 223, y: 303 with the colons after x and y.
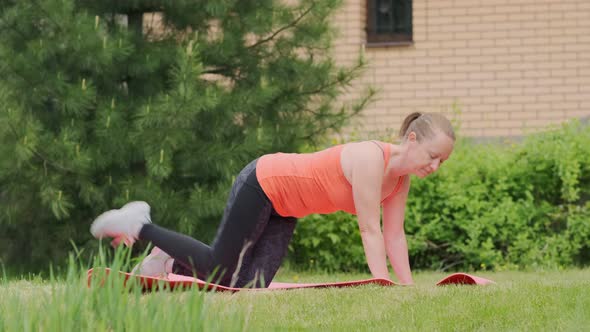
x: 492, y: 206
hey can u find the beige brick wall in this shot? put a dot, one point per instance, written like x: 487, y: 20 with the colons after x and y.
x: 511, y: 66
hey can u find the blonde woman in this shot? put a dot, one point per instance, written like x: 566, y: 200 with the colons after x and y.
x: 362, y: 178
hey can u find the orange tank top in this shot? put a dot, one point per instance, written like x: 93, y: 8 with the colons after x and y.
x: 299, y: 184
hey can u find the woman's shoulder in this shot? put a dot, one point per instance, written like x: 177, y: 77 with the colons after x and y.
x: 364, y: 152
x: 366, y: 142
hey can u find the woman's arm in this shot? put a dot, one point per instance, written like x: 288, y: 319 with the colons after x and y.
x: 394, y: 235
x: 366, y: 178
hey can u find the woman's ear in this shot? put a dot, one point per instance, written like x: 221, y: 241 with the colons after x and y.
x: 412, y: 136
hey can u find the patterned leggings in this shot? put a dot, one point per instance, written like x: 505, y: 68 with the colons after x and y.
x: 250, y: 244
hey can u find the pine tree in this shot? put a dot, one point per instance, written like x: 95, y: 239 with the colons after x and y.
x: 99, y: 107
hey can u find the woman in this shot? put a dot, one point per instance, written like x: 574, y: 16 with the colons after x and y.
x: 272, y: 191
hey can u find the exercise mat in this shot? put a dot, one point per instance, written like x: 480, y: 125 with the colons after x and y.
x: 174, y: 281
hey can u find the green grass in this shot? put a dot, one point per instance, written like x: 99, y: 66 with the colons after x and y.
x: 65, y: 303
x: 520, y: 301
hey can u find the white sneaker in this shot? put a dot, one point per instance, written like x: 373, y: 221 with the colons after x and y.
x: 122, y: 224
x: 156, y: 264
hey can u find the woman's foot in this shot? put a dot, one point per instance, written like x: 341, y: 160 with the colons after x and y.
x: 156, y: 264
x: 122, y: 224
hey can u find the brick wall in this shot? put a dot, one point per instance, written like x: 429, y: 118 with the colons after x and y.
x: 510, y: 66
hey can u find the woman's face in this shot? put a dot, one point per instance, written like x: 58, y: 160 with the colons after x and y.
x: 424, y: 158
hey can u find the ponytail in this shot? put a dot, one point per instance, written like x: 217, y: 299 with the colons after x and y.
x: 425, y: 124
x: 407, y: 122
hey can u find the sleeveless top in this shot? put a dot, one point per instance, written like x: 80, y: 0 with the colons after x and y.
x: 299, y: 184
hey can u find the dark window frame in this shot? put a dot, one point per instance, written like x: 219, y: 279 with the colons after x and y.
x: 377, y: 39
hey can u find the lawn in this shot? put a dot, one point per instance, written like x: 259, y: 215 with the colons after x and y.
x: 544, y: 300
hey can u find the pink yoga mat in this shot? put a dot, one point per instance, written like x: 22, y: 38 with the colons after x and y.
x: 173, y: 281
x: 464, y: 279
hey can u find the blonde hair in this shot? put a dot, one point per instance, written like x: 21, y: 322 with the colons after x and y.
x: 424, y: 125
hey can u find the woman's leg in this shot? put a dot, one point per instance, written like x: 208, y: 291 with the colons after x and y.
x: 268, y: 252
x: 246, y: 215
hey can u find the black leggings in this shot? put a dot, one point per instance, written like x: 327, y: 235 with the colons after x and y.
x: 250, y: 242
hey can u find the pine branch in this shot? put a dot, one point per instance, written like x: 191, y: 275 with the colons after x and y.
x: 342, y: 117
x: 24, y: 79
x: 13, y: 27
x: 39, y: 155
x: 321, y: 129
x: 226, y: 70
x: 52, y: 163
x: 12, y: 129
x: 350, y: 75
x: 288, y: 26
x: 218, y: 70
x: 322, y: 88
x: 48, y: 16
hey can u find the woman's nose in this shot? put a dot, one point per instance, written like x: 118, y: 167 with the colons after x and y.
x: 435, y: 164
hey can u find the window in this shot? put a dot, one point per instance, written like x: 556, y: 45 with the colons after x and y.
x: 389, y: 22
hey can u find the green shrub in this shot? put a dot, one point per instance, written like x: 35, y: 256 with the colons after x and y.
x: 492, y: 206
x: 328, y: 242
